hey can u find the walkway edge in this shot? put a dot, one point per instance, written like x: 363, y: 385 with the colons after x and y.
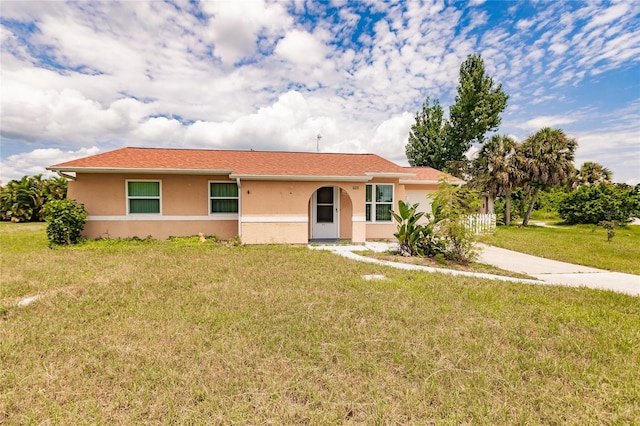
x: 553, y: 279
x: 346, y: 252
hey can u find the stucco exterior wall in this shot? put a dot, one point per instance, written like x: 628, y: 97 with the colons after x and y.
x: 270, y: 211
x: 161, y: 229
x: 184, y: 207
x: 346, y: 216
x: 279, y: 211
x: 275, y: 233
x: 422, y: 194
x: 101, y: 194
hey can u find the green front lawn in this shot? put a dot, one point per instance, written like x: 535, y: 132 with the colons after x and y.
x: 580, y: 244
x: 183, y: 332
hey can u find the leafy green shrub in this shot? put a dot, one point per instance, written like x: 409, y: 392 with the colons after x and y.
x: 409, y: 230
x: 65, y: 220
x: 550, y: 200
x: 446, y: 235
x: 23, y: 200
x: 451, y: 207
x: 593, y: 204
x: 416, y: 239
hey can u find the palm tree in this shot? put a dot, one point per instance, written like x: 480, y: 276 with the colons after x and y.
x: 19, y: 199
x: 498, y: 170
x: 546, y: 159
x: 23, y: 200
x: 591, y: 173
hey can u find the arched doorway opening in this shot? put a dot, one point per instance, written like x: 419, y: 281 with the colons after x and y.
x: 330, y: 214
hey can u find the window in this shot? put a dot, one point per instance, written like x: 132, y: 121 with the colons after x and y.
x: 379, y: 202
x: 223, y: 197
x: 143, y: 197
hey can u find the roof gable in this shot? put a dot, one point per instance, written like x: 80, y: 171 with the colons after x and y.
x: 236, y: 163
x: 429, y: 175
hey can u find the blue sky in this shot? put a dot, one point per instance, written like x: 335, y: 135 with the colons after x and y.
x: 80, y: 78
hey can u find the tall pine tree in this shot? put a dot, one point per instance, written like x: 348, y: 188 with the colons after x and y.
x: 427, y: 137
x: 442, y: 144
x: 477, y: 108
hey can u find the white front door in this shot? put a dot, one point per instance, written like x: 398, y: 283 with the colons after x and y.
x: 325, y: 213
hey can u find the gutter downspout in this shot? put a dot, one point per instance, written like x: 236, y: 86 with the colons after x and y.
x: 64, y: 175
x: 239, y: 208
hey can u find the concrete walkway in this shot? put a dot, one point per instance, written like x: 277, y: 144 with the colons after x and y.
x: 546, y: 271
x: 555, y: 272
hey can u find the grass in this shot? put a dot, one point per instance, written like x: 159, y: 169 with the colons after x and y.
x: 444, y: 264
x: 163, y: 332
x: 580, y: 244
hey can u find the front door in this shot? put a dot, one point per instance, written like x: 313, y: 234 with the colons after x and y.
x: 325, y: 212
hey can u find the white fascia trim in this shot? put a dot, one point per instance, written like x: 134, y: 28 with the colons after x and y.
x: 147, y: 217
x: 418, y: 182
x: 139, y: 171
x: 297, y: 178
x: 428, y: 182
x: 390, y: 175
x: 358, y: 218
x: 274, y: 219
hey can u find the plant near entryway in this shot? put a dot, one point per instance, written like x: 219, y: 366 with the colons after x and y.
x: 451, y: 207
x: 410, y: 232
x: 446, y: 233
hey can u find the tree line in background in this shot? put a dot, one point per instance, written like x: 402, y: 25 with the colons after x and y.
x: 23, y: 200
x: 540, y: 166
x: 34, y: 199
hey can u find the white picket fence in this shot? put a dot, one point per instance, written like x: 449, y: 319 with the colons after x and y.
x: 482, y: 223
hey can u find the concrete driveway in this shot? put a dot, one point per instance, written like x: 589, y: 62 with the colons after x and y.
x: 545, y: 271
x: 554, y: 272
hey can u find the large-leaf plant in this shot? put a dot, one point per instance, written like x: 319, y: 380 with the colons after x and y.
x: 410, y: 232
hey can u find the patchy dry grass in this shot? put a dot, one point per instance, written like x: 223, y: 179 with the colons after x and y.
x: 186, y: 332
x: 444, y: 264
x: 579, y: 244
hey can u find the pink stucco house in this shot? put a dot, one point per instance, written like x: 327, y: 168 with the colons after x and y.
x: 261, y: 197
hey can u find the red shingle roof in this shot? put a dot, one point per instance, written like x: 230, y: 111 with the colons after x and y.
x: 237, y: 163
x: 428, y: 174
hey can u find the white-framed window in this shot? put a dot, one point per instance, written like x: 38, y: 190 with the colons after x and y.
x: 143, y: 196
x: 223, y: 197
x: 379, y: 202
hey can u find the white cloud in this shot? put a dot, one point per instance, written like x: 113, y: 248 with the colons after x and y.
x: 524, y: 24
x: 301, y: 48
x: 77, y: 45
x: 234, y: 26
x: 269, y: 75
x: 34, y: 162
x: 619, y: 147
x: 65, y: 115
x: 609, y: 15
x: 288, y: 124
x: 390, y: 137
x: 558, y: 48
x: 542, y: 121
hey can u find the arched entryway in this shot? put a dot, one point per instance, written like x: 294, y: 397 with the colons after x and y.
x: 330, y: 214
x: 325, y: 213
